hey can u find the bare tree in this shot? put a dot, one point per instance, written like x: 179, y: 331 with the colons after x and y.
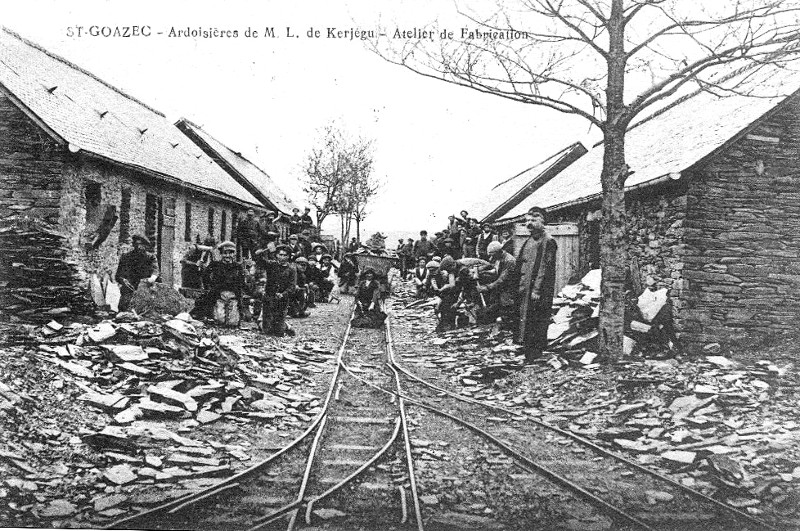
x: 325, y: 172
x: 339, y: 178
x: 607, y: 61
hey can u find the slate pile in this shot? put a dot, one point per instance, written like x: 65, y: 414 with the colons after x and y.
x: 154, y: 390
x: 37, y: 280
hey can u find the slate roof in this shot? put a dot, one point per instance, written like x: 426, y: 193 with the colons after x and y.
x: 504, y: 196
x: 91, y: 115
x: 668, y: 142
x: 262, y: 184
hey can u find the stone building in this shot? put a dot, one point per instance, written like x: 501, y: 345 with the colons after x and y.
x: 713, y: 211
x: 81, y: 154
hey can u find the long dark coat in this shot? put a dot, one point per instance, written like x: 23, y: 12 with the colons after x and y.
x: 536, y: 271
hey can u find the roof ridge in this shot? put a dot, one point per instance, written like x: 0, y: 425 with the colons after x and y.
x: 554, y: 155
x: 226, y: 146
x: 80, y: 69
x: 658, y: 112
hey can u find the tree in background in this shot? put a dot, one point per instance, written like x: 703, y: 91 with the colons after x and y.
x: 607, y: 61
x: 339, y: 178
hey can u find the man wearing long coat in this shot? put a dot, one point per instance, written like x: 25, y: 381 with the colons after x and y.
x: 536, y: 271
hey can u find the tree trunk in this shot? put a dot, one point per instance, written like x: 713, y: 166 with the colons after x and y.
x: 613, y: 246
x: 358, y: 228
x: 613, y: 236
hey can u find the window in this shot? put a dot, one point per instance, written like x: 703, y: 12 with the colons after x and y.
x: 211, y: 222
x: 93, y: 196
x: 223, y: 232
x: 187, y: 230
x: 125, y: 216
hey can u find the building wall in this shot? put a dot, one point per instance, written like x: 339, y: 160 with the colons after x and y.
x: 113, y: 179
x: 743, y: 237
x: 30, y: 166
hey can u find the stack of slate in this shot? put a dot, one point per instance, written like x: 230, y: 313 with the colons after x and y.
x: 36, y: 279
x: 577, y: 308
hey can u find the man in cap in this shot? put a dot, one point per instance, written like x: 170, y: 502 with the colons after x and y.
x: 325, y: 274
x: 295, y: 249
x: 281, y: 284
x: 268, y: 224
x: 484, y: 238
x: 134, y: 266
x: 295, y: 225
x: 305, y: 220
x: 348, y: 273
x: 501, y: 292
x: 536, y: 272
x: 247, y: 234
x: 305, y: 242
x: 298, y: 302
x: 423, y: 246
x: 226, y: 285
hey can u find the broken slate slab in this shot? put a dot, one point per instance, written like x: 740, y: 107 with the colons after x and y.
x: 123, y: 353
x: 174, y: 397
x: 101, y: 332
x: 106, y: 401
x: 107, y: 502
x: 683, y: 406
x: 327, y: 514
x: 679, y: 456
x: 120, y: 474
x: 58, y: 508
x: 206, y: 416
x: 184, y: 459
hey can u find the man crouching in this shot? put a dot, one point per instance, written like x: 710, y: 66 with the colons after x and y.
x: 281, y: 284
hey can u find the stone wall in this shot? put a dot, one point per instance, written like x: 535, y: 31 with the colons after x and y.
x: 743, y: 237
x: 113, y: 179
x: 30, y: 166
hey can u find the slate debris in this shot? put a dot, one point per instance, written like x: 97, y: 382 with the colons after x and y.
x: 148, y: 384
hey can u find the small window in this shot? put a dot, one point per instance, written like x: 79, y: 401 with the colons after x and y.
x: 223, y: 231
x: 211, y: 222
x: 187, y: 230
x: 93, y: 196
x: 125, y: 216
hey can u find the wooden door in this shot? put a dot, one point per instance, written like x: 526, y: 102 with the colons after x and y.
x: 566, y: 236
x: 167, y: 241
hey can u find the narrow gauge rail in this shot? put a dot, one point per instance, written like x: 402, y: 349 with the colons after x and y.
x: 355, y: 458
x: 631, y: 494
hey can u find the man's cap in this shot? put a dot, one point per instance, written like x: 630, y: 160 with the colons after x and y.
x: 432, y: 265
x: 306, y: 232
x: 493, y: 247
x: 226, y: 245
x: 317, y: 245
x: 424, y: 232
x: 272, y: 234
x: 538, y: 210
x: 369, y: 271
x: 307, y: 208
x: 326, y: 255
x: 293, y: 237
x: 295, y: 209
x: 283, y: 248
x: 269, y: 213
x: 437, y: 258
x: 312, y: 258
x: 448, y: 240
x: 447, y: 263
x: 141, y: 238
x: 301, y: 260
x: 486, y: 226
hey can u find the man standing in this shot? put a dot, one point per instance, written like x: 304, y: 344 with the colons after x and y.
x: 281, y: 284
x: 305, y: 220
x: 536, y: 271
x: 305, y: 242
x: 423, y: 247
x: 135, y: 266
x: 484, y: 238
x: 295, y: 225
x: 247, y: 232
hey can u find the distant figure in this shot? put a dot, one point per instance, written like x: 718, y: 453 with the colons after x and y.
x: 420, y: 276
x: 353, y: 246
x: 536, y: 271
x: 324, y: 280
x: 423, y: 247
x: 484, y: 238
x: 299, y: 299
x: 295, y: 223
x: 348, y: 273
x: 134, y: 266
x: 305, y: 220
x: 247, y: 233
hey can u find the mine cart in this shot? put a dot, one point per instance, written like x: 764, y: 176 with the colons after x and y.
x: 381, y: 265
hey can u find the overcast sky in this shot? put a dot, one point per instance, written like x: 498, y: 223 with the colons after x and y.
x: 438, y: 146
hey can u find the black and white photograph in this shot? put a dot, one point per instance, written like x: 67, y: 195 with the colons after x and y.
x: 414, y: 266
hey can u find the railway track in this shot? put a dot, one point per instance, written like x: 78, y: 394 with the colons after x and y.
x: 353, y: 463
x: 632, y: 495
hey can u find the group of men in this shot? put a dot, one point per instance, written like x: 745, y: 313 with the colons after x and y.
x: 274, y: 279
x: 516, y: 286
